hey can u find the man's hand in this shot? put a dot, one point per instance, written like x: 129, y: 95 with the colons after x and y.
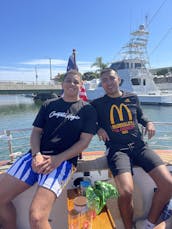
x: 37, y: 162
x: 150, y: 130
x: 103, y: 135
x: 46, y: 163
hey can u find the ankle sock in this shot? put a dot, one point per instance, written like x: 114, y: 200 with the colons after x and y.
x: 149, y: 225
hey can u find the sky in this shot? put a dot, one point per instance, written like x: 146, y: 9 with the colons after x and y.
x: 35, y: 32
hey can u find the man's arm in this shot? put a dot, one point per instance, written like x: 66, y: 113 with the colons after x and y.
x: 53, y: 162
x: 78, y: 147
x: 142, y: 119
x: 38, y: 160
x: 35, y: 140
x: 149, y: 126
x: 102, y: 134
x: 150, y: 130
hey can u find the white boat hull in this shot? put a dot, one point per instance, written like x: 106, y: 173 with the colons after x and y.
x: 164, y: 99
x: 156, y: 99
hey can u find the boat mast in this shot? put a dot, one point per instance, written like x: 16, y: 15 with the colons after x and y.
x: 74, y: 57
x: 36, y: 74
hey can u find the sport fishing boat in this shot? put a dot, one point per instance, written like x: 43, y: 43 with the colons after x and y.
x: 133, y: 69
x: 91, y: 167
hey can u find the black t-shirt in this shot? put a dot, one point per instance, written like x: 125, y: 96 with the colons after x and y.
x: 120, y: 117
x: 62, y: 123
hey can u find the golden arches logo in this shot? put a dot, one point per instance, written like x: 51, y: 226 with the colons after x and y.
x: 120, y: 113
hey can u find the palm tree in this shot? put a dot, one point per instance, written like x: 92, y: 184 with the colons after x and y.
x: 99, y: 64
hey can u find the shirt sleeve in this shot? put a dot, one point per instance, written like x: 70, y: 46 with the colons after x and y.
x: 90, y: 120
x: 98, y: 126
x: 142, y: 119
x: 41, y: 117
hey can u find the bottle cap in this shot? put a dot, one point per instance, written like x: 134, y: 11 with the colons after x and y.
x: 80, y: 201
x: 85, y: 183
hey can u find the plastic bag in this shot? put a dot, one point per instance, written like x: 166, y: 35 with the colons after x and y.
x: 99, y: 194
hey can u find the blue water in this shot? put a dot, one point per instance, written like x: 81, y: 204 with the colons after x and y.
x: 20, y: 114
x: 14, y: 99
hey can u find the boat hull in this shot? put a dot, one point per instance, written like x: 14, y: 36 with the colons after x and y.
x: 156, y: 99
x: 144, y: 99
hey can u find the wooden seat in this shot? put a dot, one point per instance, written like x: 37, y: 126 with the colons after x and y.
x: 94, y: 158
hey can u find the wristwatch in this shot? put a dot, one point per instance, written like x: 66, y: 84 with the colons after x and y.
x: 35, y: 154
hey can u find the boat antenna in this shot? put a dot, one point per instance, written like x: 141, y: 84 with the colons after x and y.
x: 150, y: 21
x: 162, y: 39
x: 74, y: 57
x: 156, y: 12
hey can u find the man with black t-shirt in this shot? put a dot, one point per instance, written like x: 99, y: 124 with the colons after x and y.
x: 62, y: 129
x: 119, y: 114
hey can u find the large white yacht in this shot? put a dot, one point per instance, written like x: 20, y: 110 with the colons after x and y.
x: 133, y: 69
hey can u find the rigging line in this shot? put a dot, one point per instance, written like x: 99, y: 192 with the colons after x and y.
x: 163, y: 38
x: 157, y: 11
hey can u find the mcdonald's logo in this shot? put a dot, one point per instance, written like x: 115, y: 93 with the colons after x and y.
x: 120, y: 113
x: 125, y: 125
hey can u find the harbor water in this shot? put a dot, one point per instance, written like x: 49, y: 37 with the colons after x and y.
x: 19, y: 113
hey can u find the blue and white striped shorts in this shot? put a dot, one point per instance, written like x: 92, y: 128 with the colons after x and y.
x: 54, y: 181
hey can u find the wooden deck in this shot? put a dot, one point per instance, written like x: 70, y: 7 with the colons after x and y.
x: 96, y: 160
x: 166, y: 155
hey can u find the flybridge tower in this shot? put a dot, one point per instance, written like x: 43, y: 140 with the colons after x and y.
x: 136, y: 48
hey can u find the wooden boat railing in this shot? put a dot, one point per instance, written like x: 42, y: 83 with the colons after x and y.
x: 14, y: 142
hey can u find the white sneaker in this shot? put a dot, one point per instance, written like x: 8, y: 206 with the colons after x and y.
x: 140, y: 224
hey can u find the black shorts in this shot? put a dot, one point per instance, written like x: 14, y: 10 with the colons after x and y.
x: 123, y: 160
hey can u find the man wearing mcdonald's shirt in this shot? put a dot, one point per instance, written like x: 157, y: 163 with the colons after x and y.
x: 119, y: 114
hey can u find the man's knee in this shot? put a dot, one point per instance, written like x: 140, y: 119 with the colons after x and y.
x: 126, y: 194
x: 7, y: 214
x: 36, y: 217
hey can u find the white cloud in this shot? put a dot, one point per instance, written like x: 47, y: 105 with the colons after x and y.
x: 45, y: 62
x: 25, y: 70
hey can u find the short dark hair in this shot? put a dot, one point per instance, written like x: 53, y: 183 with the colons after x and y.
x: 72, y: 72
x: 107, y: 70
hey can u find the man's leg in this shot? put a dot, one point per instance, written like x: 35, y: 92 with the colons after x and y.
x: 10, y: 187
x: 163, y: 180
x: 50, y: 187
x: 41, y: 207
x: 124, y: 183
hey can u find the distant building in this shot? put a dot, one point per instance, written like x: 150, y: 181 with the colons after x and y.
x: 166, y: 69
